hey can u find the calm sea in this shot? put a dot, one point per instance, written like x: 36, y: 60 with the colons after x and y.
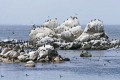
x: 19, y: 32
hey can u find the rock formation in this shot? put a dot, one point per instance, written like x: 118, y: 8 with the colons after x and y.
x: 70, y: 35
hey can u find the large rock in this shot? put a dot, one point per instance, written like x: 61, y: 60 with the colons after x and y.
x: 39, y: 33
x: 33, y: 55
x: 23, y: 58
x: 5, y: 50
x: 51, y: 23
x: 45, y: 50
x: 61, y: 28
x: 95, y: 26
x: 115, y: 43
x: 93, y: 31
x: 45, y: 40
x: 11, y: 54
x: 70, y: 29
x: 71, y: 22
x: 72, y: 33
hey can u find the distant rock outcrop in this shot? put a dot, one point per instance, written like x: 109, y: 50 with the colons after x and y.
x: 70, y: 35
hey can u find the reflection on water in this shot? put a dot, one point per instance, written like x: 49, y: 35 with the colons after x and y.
x: 103, y: 65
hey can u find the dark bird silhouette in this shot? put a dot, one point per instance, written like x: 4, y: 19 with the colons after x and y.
x: 2, y: 76
x: 26, y: 75
x: 13, y: 32
x: 61, y: 76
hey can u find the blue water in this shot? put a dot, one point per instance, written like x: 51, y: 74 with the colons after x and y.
x: 19, y: 32
x: 113, y: 31
x: 104, y: 65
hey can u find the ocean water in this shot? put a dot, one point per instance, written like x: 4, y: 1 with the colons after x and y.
x: 104, y: 65
x: 19, y: 32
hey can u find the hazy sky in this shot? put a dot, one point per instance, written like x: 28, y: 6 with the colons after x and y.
x: 37, y: 11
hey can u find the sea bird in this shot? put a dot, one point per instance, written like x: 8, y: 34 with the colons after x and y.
x: 61, y: 76
x: 26, y: 75
x: 2, y: 76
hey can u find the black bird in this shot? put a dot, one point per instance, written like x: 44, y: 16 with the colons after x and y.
x: 26, y: 75
x: 2, y: 76
x: 61, y: 76
x: 13, y: 33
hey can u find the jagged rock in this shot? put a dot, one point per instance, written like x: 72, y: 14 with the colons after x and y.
x: 115, y: 43
x: 95, y: 26
x: 61, y: 28
x: 67, y: 35
x: 44, y: 50
x: 23, y: 58
x: 51, y: 23
x: 76, y: 45
x: 84, y: 37
x: 71, y: 22
x: 5, y: 60
x: 39, y: 33
x: 11, y: 54
x: 70, y: 29
x: 5, y: 50
x: 45, y: 40
x: 72, y: 33
x: 66, y: 45
x: 33, y: 55
x: 86, y: 46
x: 94, y: 30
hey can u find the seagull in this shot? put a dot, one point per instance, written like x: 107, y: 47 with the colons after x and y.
x: 13, y: 33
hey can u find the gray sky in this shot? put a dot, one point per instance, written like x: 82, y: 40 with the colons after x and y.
x: 24, y: 12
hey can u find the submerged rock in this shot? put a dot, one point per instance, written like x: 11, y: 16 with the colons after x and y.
x: 85, y: 54
x: 33, y: 55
